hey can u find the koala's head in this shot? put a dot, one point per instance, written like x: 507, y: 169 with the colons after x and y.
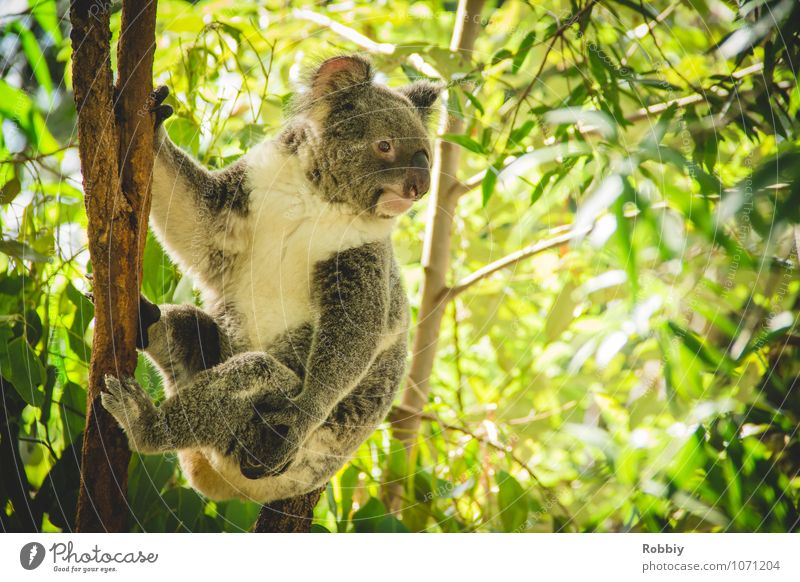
x: 363, y: 144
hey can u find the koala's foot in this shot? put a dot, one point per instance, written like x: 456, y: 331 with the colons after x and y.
x: 280, y: 428
x: 161, y: 110
x: 149, y: 313
x: 136, y: 414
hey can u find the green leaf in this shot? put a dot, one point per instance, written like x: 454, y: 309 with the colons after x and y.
x: 654, y: 137
x: 598, y: 201
x: 46, y: 14
x: 718, y: 361
x: 17, y: 106
x: 184, y: 509
x: 522, y: 51
x: 520, y: 133
x: 72, y: 407
x: 626, y: 249
x: 10, y: 190
x: 22, y: 251
x: 686, y: 467
x: 512, y: 500
x: 240, y: 515
x: 348, y: 481
x: 84, y: 312
x: 398, y: 459
x: 501, y: 55
x: 148, y: 475
x: 538, y: 190
x: 454, y: 105
x: 642, y: 9
x: 474, y: 100
x: 367, y: 518
x: 390, y: 524
x: 532, y: 161
x: 598, y: 120
x: 25, y: 371
x: 465, y: 142
x: 36, y: 60
x: 184, y: 132
x: 489, y: 181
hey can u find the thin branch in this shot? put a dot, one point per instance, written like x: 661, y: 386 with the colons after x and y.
x: 464, y: 187
x: 513, y: 259
x: 542, y: 415
x: 460, y: 188
x: 42, y: 442
x: 507, y: 450
x: 642, y: 30
x: 24, y: 158
x: 344, y: 31
x: 561, y: 235
x: 556, y: 35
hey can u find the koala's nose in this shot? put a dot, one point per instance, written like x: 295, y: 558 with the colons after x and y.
x: 419, y: 176
x: 420, y: 160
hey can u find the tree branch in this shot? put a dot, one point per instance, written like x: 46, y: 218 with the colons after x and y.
x: 115, y: 143
x: 513, y: 259
x: 288, y: 515
x: 561, y: 235
x: 436, y: 251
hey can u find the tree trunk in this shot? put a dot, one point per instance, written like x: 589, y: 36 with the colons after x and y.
x: 288, y: 515
x: 436, y: 256
x: 115, y: 134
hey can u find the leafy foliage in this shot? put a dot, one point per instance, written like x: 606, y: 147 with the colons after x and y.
x: 638, y: 374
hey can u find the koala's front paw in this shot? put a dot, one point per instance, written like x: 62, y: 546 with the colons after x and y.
x: 280, y: 428
x: 132, y: 408
x: 158, y: 107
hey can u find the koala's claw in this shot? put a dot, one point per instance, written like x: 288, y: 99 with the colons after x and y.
x: 125, y: 400
x: 162, y: 112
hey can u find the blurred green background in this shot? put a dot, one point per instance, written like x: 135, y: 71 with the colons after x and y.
x: 638, y: 374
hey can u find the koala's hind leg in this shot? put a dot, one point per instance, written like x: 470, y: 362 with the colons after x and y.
x: 184, y: 341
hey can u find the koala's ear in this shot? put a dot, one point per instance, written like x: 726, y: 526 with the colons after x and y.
x: 340, y: 73
x: 423, y: 95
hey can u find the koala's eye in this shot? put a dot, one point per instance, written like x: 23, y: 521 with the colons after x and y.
x: 384, y: 146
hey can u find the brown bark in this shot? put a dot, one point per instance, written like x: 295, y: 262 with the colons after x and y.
x: 288, y: 515
x: 436, y: 255
x: 116, y: 162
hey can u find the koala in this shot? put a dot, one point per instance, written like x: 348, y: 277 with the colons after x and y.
x: 301, y: 345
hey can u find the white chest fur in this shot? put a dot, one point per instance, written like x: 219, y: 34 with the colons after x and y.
x: 289, y: 229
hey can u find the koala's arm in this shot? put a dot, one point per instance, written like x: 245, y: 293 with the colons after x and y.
x: 188, y: 199
x: 351, y: 294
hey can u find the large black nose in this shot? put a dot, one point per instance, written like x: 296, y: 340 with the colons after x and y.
x: 420, y: 160
x: 418, y: 176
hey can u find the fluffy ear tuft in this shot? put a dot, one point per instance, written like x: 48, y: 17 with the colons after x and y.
x: 340, y: 73
x: 423, y: 95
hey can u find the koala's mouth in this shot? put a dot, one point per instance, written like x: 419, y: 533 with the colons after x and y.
x: 392, y: 201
